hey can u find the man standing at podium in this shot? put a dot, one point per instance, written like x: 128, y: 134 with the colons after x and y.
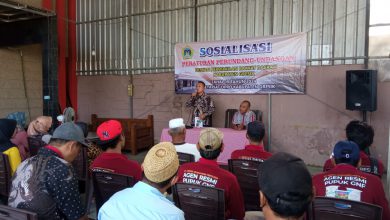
x: 201, y: 105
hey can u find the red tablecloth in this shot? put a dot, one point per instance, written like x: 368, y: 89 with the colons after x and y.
x: 232, y: 140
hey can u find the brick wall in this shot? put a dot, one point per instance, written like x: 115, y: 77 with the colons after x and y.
x: 12, y: 96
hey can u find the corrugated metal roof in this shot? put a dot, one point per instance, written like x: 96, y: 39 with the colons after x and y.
x: 139, y: 36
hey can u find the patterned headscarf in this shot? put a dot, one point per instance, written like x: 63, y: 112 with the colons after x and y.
x: 39, y: 126
x: 19, y: 117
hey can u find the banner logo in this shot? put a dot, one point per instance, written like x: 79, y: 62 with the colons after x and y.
x: 187, y: 52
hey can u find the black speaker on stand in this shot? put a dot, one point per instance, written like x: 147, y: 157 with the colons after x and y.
x: 361, y: 86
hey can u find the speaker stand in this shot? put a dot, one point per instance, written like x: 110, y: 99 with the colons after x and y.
x: 364, y: 116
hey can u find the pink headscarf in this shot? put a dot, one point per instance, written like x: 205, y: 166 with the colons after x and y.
x: 40, y: 125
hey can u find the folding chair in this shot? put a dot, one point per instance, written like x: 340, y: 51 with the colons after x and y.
x: 9, y: 213
x: 34, y: 144
x: 80, y: 166
x: 246, y: 173
x: 199, y: 202
x: 325, y: 208
x: 185, y: 158
x: 107, y: 184
x: 5, y: 175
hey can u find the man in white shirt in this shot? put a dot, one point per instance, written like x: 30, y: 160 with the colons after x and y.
x: 177, y: 130
x: 146, y: 200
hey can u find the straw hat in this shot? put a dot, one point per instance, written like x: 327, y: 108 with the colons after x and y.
x: 161, y: 162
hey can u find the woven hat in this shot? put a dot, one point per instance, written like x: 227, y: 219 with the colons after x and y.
x: 161, y: 162
x: 210, y: 139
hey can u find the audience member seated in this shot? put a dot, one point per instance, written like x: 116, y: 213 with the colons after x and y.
x: 285, y: 187
x: 206, y: 172
x: 40, y: 126
x: 363, y: 135
x: 20, y: 138
x: 255, y: 150
x: 345, y: 181
x: 46, y: 183
x: 112, y: 141
x: 146, y: 199
x: 177, y: 130
x: 7, y: 132
x: 243, y: 116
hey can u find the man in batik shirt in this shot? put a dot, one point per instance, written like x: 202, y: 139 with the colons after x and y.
x: 201, y: 105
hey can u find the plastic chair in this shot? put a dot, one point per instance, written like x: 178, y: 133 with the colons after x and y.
x: 107, y: 184
x: 10, y: 213
x: 5, y: 175
x: 34, y: 144
x: 324, y: 208
x: 246, y: 173
x: 199, y: 202
x: 185, y: 158
x: 230, y: 113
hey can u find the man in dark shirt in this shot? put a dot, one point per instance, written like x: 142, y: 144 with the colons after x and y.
x: 285, y: 187
x: 206, y: 172
x: 201, y: 105
x: 363, y: 135
x: 111, y: 141
x: 345, y: 181
x: 46, y: 183
x: 255, y: 150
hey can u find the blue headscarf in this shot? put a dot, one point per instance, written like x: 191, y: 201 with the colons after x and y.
x: 7, y: 129
x: 19, y: 117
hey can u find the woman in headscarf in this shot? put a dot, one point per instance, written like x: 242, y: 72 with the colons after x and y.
x: 7, y: 131
x: 20, y: 138
x: 40, y: 126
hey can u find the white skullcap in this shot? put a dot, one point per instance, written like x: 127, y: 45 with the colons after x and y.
x: 176, y: 123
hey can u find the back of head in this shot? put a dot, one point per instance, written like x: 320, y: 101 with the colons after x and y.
x: 68, y: 132
x: 346, y: 152
x: 361, y: 133
x: 161, y: 164
x: 255, y: 131
x: 176, y: 127
x: 7, y: 129
x: 287, y: 185
x: 210, y: 143
x: 109, y: 133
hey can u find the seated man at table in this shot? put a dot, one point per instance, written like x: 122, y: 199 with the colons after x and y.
x: 285, y: 187
x: 206, y: 172
x: 363, y: 135
x: 243, y: 116
x: 177, y: 130
x: 346, y: 181
x: 111, y: 141
x: 255, y: 150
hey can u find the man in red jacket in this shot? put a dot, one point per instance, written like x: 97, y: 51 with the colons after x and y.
x: 345, y: 181
x: 255, y: 150
x: 206, y: 172
x: 363, y: 135
x: 111, y: 141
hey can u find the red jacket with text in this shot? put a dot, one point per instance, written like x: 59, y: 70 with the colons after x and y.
x: 208, y: 173
x: 251, y: 152
x: 365, y: 167
x: 347, y: 182
x: 117, y: 163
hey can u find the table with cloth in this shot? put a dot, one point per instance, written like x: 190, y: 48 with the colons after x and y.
x: 232, y: 139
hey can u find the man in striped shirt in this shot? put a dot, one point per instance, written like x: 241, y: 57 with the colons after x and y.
x: 243, y: 116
